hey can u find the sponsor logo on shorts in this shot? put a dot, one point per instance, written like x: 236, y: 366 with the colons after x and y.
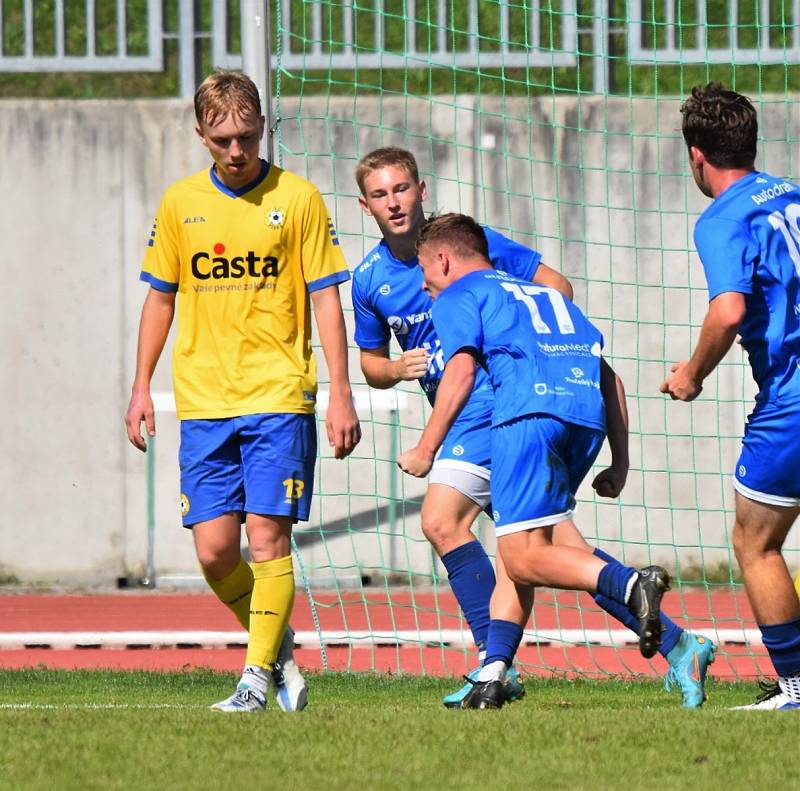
x: 458, y: 450
x: 496, y: 516
x: 742, y: 470
x: 184, y: 504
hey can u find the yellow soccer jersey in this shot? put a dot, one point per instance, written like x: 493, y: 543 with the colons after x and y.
x: 243, y: 263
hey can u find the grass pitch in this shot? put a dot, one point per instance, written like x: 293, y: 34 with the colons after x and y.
x: 122, y: 730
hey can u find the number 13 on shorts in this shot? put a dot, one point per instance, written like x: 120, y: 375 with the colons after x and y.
x: 294, y: 489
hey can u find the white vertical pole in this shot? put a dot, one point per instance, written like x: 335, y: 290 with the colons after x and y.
x: 256, y: 58
x: 600, y: 63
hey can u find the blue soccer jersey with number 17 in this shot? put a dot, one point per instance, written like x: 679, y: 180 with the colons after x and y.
x: 388, y: 298
x: 542, y: 354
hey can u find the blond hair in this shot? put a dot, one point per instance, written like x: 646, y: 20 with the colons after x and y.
x: 383, y: 158
x: 225, y: 92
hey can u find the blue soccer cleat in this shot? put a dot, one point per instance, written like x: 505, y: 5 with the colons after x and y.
x: 244, y: 700
x: 688, y: 664
x: 512, y: 688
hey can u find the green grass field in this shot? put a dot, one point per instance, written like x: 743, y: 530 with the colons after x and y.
x: 120, y: 730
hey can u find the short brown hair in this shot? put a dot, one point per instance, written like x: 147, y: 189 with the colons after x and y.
x: 225, y: 92
x: 723, y: 124
x: 383, y: 158
x: 461, y: 233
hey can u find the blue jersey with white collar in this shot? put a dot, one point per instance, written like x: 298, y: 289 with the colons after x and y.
x: 541, y: 352
x: 748, y: 240
x: 388, y: 299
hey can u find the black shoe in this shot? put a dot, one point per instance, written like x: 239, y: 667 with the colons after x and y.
x: 484, y: 695
x: 645, y: 604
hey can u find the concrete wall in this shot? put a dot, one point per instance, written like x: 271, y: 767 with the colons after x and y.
x: 598, y: 185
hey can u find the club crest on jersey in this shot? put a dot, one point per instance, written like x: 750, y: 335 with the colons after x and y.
x: 276, y: 218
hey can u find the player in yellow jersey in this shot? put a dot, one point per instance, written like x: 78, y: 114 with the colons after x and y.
x: 248, y: 248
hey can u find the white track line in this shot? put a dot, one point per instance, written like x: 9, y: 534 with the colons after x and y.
x: 352, y: 638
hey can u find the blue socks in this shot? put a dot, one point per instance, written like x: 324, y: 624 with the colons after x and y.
x: 503, y: 641
x: 782, y: 640
x: 472, y: 579
x: 672, y: 632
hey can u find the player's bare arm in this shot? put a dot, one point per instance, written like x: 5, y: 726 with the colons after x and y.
x: 157, y: 314
x: 341, y: 421
x: 611, y: 481
x: 546, y: 276
x: 453, y: 392
x: 382, y: 372
x: 719, y: 331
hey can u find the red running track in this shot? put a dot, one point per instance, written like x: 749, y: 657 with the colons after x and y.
x: 157, y: 611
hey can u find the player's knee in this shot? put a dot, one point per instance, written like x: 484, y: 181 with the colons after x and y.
x: 444, y: 534
x: 750, y: 544
x: 218, y: 562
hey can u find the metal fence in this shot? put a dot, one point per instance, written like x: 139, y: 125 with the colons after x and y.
x: 430, y: 34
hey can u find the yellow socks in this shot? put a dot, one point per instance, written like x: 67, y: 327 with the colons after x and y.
x: 270, y: 607
x: 234, y: 591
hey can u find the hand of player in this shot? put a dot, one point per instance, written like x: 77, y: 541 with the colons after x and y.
x: 140, y: 408
x: 415, y: 462
x: 342, y: 426
x: 411, y: 364
x: 680, y: 385
x: 610, y: 482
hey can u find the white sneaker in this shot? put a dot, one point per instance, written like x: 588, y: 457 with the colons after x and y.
x: 244, y: 699
x: 291, y: 690
x: 772, y: 698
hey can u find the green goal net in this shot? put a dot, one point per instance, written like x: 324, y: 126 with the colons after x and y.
x: 558, y: 125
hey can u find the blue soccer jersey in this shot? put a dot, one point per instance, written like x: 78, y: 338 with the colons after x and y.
x: 388, y: 298
x: 542, y: 354
x: 749, y: 242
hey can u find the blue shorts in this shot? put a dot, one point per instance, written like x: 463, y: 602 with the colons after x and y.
x: 260, y: 464
x: 539, y: 462
x: 464, y: 462
x: 768, y: 470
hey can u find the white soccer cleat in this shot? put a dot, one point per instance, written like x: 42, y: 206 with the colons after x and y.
x: 244, y: 700
x: 772, y: 698
x: 291, y: 690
